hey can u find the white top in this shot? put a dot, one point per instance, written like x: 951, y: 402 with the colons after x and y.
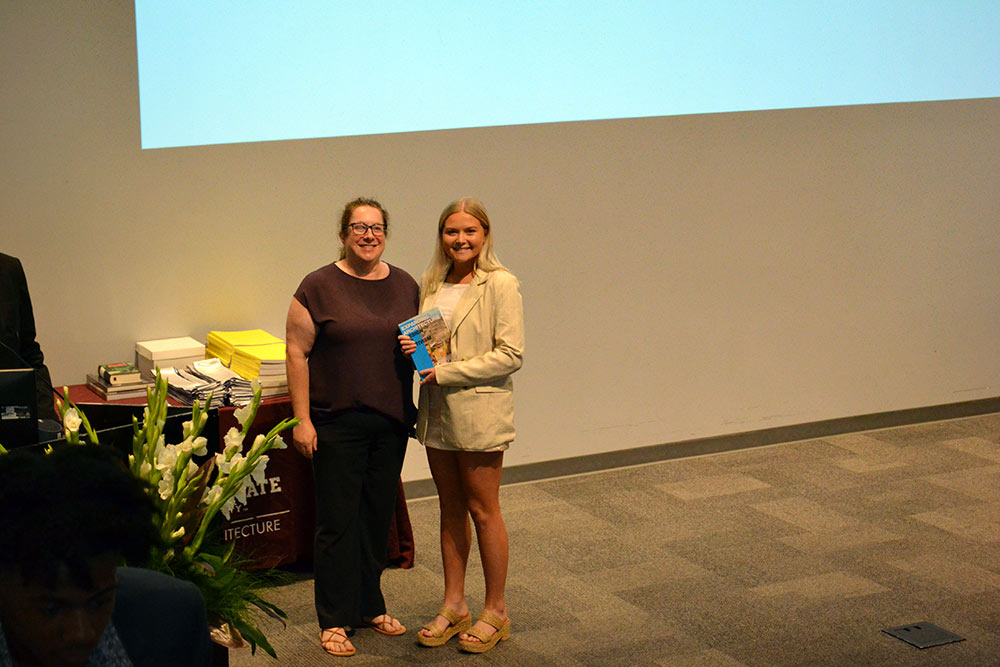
x: 447, y: 298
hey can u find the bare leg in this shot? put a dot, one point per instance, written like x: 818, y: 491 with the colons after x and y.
x: 456, y: 535
x: 480, y: 474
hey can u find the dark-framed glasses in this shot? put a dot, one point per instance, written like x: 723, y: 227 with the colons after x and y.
x: 360, y: 228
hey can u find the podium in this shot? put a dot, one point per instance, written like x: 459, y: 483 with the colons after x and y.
x: 277, y: 524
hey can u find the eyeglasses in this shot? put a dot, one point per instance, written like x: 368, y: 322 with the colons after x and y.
x: 361, y: 228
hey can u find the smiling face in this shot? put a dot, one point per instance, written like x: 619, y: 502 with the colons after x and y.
x: 366, y: 247
x: 59, y: 624
x: 462, y: 237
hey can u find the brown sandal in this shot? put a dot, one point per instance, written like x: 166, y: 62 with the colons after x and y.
x: 332, y: 636
x: 440, y: 637
x: 486, y: 640
x: 386, y: 620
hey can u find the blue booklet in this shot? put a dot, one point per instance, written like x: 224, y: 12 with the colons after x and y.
x: 430, y: 333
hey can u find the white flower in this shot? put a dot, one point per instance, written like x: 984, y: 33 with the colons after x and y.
x: 233, y: 442
x: 186, y: 429
x: 228, y: 467
x: 261, y: 469
x: 213, y: 494
x: 242, y: 414
x: 192, y: 469
x: 255, y: 386
x: 166, y: 459
x: 159, y: 447
x: 279, y: 443
x: 144, y: 469
x: 166, y: 486
x: 186, y: 446
x: 240, y: 498
x: 72, y: 421
x: 241, y: 493
x: 198, y: 446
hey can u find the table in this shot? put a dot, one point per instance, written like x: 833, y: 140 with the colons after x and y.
x: 276, y: 525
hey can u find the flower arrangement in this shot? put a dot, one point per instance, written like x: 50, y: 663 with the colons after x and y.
x: 190, y: 497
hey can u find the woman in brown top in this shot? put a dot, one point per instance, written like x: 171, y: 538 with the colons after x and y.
x: 351, y: 387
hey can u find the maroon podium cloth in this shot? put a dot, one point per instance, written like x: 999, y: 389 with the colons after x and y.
x: 277, y: 524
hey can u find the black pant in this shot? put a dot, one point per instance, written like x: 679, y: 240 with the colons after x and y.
x: 356, y: 466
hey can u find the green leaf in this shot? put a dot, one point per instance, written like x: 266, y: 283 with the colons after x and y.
x: 255, y: 637
x: 270, y: 609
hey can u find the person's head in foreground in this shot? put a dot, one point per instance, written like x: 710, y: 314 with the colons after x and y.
x: 67, y: 519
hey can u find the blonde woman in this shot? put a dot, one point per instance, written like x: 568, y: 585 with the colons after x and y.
x: 466, y: 417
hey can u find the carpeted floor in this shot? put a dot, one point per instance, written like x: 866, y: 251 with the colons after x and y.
x: 793, y: 554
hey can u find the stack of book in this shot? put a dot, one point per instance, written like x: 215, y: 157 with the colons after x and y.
x: 118, y: 381
x: 254, y: 355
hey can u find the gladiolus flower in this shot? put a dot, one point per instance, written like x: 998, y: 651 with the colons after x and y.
x: 166, y: 486
x: 241, y: 493
x: 242, y: 414
x: 72, y: 420
x: 166, y: 459
x: 213, y: 494
x: 261, y: 469
x: 233, y: 442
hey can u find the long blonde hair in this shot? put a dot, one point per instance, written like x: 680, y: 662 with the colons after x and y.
x: 440, y: 264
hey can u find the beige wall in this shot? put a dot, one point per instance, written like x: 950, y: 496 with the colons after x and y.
x: 683, y: 277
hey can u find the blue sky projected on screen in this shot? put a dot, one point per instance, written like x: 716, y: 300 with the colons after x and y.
x: 253, y: 70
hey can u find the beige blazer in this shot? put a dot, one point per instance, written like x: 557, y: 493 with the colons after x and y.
x: 487, y: 343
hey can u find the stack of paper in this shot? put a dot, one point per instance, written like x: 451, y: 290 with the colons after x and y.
x: 185, y: 386
x: 237, y: 389
x: 222, y: 343
x: 254, y: 355
x: 251, y: 361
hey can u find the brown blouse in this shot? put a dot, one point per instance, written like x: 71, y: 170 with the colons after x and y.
x: 356, y: 361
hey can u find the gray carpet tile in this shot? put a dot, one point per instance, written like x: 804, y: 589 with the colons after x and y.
x: 792, y: 554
